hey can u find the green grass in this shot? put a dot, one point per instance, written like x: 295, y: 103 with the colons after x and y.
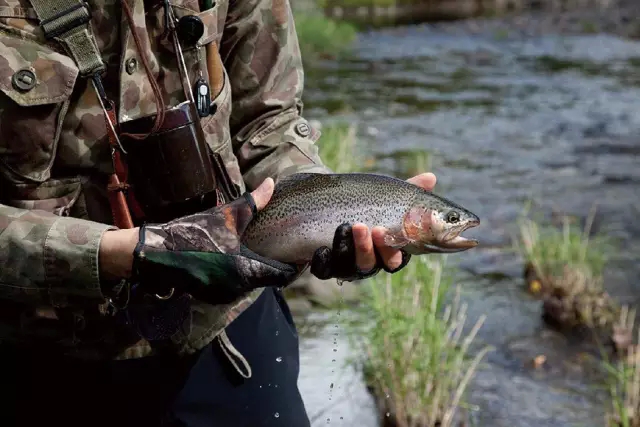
x: 565, y: 266
x: 355, y: 3
x: 589, y: 27
x: 569, y: 264
x: 624, y: 380
x: 338, y: 148
x: 409, y: 163
x: 352, y: 3
x: 549, y: 249
x: 321, y: 37
x: 501, y: 34
x: 415, y: 356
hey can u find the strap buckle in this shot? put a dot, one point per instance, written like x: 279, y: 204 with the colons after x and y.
x: 66, y: 20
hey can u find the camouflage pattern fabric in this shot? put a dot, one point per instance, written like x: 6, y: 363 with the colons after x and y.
x: 55, y: 159
x: 201, y: 254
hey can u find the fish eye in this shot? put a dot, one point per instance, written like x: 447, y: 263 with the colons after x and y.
x: 453, y: 217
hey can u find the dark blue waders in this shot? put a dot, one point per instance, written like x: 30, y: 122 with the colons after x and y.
x: 203, y: 391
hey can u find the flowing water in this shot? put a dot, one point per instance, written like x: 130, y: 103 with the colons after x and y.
x: 554, y: 119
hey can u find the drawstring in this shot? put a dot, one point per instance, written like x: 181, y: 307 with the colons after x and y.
x: 230, y: 351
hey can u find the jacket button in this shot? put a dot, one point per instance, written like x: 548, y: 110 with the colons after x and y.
x: 131, y: 65
x: 24, y: 80
x: 303, y: 129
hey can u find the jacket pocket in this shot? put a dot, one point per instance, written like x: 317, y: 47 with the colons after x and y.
x: 62, y: 197
x: 213, y: 20
x: 35, y: 86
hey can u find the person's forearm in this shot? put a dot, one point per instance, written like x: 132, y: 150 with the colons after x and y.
x: 116, y: 253
x: 45, y: 257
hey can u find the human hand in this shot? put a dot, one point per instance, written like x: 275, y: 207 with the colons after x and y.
x: 358, y: 252
x: 365, y: 239
x: 201, y: 254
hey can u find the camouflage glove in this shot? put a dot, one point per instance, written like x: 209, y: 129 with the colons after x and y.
x: 201, y: 255
x: 339, y: 262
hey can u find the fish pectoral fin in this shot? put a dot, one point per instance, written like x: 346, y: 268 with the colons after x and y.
x: 395, y: 239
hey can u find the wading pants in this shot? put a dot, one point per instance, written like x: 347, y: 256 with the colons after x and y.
x: 204, y: 390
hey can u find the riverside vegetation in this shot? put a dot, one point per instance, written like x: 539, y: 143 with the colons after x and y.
x: 624, y: 378
x: 320, y: 37
x: 565, y: 267
x: 416, y: 358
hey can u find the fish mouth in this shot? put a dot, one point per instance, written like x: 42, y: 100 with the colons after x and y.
x: 455, y: 242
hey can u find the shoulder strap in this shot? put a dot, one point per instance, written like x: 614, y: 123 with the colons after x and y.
x: 69, y: 22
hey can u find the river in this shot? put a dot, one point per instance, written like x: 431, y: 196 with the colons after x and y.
x: 508, y: 119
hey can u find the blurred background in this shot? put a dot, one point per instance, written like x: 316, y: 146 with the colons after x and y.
x: 528, y: 112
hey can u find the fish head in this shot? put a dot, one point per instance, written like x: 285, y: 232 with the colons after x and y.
x: 435, y: 225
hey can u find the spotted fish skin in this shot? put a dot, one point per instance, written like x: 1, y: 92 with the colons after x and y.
x: 306, y: 209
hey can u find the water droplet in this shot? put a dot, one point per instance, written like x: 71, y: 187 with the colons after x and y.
x: 333, y: 360
x: 278, y: 359
x: 277, y: 415
x: 388, y: 414
x: 277, y: 332
x: 387, y: 395
x: 328, y: 420
x: 260, y: 386
x: 331, y: 386
x: 335, y: 350
x: 342, y: 418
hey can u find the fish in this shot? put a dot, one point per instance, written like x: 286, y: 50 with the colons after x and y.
x: 306, y: 209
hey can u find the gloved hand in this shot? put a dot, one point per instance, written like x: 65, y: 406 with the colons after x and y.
x: 201, y: 254
x: 339, y: 262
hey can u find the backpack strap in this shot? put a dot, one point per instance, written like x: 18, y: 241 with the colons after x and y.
x: 69, y: 23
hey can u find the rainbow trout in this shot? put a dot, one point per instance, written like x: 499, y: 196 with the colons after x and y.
x: 306, y: 209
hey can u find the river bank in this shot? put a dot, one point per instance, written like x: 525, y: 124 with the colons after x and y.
x: 406, y: 12
x: 623, y: 20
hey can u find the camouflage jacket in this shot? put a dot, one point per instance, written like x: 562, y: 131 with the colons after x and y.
x: 55, y: 158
